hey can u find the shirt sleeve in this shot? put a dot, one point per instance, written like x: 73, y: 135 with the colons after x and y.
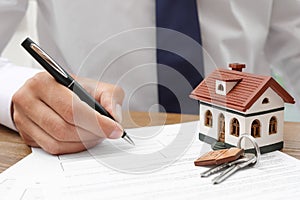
x: 11, y: 14
x: 12, y: 77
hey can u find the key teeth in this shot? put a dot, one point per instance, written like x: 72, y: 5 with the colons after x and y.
x: 214, y: 170
x: 216, y: 180
x: 229, y: 168
x: 203, y: 175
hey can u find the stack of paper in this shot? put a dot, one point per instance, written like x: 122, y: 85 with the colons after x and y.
x: 159, y: 167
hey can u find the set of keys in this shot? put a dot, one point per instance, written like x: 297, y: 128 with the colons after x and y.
x: 228, y: 161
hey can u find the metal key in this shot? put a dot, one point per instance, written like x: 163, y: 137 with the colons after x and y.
x: 223, y: 166
x: 250, y: 159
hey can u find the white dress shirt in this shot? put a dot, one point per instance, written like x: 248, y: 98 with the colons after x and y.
x: 114, y: 41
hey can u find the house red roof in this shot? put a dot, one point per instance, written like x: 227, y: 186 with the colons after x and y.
x: 248, y: 89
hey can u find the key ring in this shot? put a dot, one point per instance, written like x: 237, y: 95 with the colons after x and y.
x: 254, y: 143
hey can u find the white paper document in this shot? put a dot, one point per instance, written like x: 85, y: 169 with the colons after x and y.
x: 159, y: 167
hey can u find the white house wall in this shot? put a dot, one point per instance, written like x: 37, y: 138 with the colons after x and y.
x: 245, y: 124
x: 213, y: 131
x: 210, y: 131
x: 231, y: 139
x: 275, y: 101
x: 265, y: 138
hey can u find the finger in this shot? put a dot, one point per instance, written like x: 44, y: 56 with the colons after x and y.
x: 19, y: 121
x: 107, y: 91
x: 113, y: 108
x: 100, y: 125
x: 96, y: 89
x: 27, y: 139
x: 48, y: 143
x: 112, y: 101
x: 108, y: 95
x: 54, y: 125
x: 72, y: 109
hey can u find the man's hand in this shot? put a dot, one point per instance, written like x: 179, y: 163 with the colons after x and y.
x: 50, y: 116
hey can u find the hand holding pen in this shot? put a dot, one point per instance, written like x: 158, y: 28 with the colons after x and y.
x: 49, y: 115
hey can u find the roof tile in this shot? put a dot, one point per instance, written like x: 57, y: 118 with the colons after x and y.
x: 248, y: 89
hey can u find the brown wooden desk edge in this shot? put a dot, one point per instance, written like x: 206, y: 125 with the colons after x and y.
x: 13, y: 148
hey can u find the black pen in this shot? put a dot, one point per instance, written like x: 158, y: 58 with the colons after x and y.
x: 62, y: 77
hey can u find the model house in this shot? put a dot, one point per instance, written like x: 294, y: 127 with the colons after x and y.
x: 233, y: 102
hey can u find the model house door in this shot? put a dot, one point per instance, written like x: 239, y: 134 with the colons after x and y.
x: 221, y: 128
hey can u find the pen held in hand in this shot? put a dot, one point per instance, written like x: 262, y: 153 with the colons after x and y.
x: 62, y: 77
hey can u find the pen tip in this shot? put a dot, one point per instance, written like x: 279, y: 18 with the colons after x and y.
x: 128, y: 139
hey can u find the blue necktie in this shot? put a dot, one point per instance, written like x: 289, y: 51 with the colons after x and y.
x: 180, y: 16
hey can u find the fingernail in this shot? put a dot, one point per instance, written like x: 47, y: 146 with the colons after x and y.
x: 117, y: 132
x: 119, y: 113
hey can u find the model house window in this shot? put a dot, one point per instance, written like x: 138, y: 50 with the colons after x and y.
x: 265, y: 101
x: 220, y: 87
x: 255, y: 128
x: 235, y: 127
x: 221, y: 123
x: 221, y: 128
x: 208, y: 119
x: 273, y: 125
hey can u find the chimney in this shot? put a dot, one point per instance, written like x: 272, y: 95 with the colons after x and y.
x: 237, y: 66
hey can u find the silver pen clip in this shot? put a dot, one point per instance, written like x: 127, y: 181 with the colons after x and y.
x: 48, y: 59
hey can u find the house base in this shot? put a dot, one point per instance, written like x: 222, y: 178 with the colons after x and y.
x: 219, y: 145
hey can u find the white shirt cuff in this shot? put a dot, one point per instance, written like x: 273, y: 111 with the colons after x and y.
x: 12, y: 77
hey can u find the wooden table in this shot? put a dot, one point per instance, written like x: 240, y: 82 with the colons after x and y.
x: 13, y: 149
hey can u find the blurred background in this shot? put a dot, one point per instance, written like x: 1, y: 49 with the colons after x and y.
x: 27, y: 28
x: 13, y: 52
